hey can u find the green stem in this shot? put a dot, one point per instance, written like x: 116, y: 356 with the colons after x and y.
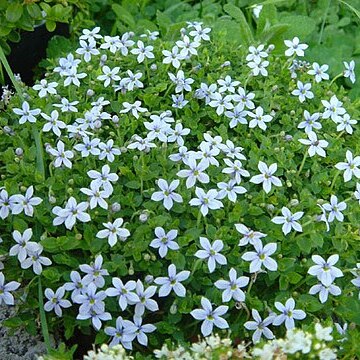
x: 302, y: 163
x: 324, y: 21
x: 335, y: 78
x: 44, y: 327
x: 334, y: 180
x: 198, y: 220
x: 40, y: 169
x: 341, y: 133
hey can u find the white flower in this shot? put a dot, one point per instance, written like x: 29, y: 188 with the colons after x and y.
x: 145, y: 301
x: 324, y: 270
x: 237, y: 115
x: 324, y: 291
x: 259, y: 119
x: 206, y: 201
x: 250, y: 236
x: 188, y: 47
x: 260, y: 326
x: 303, y: 91
x: 138, y: 330
x: 113, y: 231
x: 344, y: 123
x: 53, y: 123
x: 211, y: 252
x: 133, y: 81
x: 319, y: 72
x: 177, y: 134
x: 178, y: 101
x: 357, y: 192
x: 196, y: 172
x: 55, y: 301
x: 333, y: 108
x: 88, y: 146
x: 315, y: 146
x: 87, y: 49
x: 310, y: 122
x: 232, y: 287
x: 200, y: 33
x: 91, y: 34
x: 135, y: 108
x: 244, y: 98
x: 173, y: 57
x: 45, y: 88
x: 259, y: 68
x: 124, y: 291
x: 181, y: 82
x: 72, y: 77
x: 96, y: 196
x: 62, y: 155
x: 266, y: 177
x: 323, y: 333
x: 26, y: 113
x: 141, y: 144
x: 25, y: 203
x: 67, y: 106
x: 108, y: 151
x: 327, y: 354
x: 235, y: 170
x: 72, y: 212
x: 294, y: 46
x: 288, y: 314
x: 5, y: 290
x: 261, y: 256
x: 288, y: 220
x: 210, y: 317
x: 35, y: 260
x: 6, y: 203
x: 350, y: 167
x: 103, y: 178
x: 109, y: 75
x: 232, y: 151
x: 350, y: 70
x: 335, y: 208
x: 221, y: 102
x: 167, y: 193
x: 227, y: 84
x: 230, y: 189
x: 164, y: 241
x: 257, y: 53
x: 172, y: 282
x: 143, y: 51
x: 23, y: 246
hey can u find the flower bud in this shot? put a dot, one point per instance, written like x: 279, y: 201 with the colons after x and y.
x: 153, y: 67
x: 70, y: 191
x: 149, y: 279
x: 135, y: 158
x: 52, y: 199
x: 270, y: 207
x: 8, y: 130
x: 115, y: 119
x: 275, y: 88
x: 43, y: 236
x: 294, y: 202
x: 23, y: 188
x: 89, y: 68
x: 143, y: 217
x: 115, y: 207
x: 131, y: 269
x: 282, y: 133
x: 131, y: 34
x: 123, y: 149
x: 292, y: 112
x: 173, y: 308
x: 226, y: 63
x: 71, y: 182
x: 271, y: 47
x: 19, y: 151
x: 16, y: 159
x: 288, y: 183
x: 288, y: 137
x: 153, y: 257
x: 78, y: 236
x: 122, y: 238
x: 90, y: 92
x: 147, y: 257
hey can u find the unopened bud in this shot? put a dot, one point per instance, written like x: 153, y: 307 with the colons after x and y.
x: 90, y: 92
x: 288, y: 137
x: 131, y: 269
x: 115, y: 207
x: 294, y: 202
x: 43, y: 236
x: 70, y: 191
x: 292, y: 112
x: 52, y: 199
x: 173, y: 309
x: 23, y: 188
x: 226, y: 63
x: 271, y: 47
x: 78, y: 236
x: 144, y: 216
x: 153, y: 67
x: 71, y: 181
x: 16, y: 159
x: 149, y: 279
x: 115, y: 119
x: 288, y: 183
x: 147, y: 257
x: 270, y: 207
x: 19, y: 151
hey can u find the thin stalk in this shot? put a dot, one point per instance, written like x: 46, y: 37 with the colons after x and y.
x: 302, y: 163
x: 334, y: 180
x: 44, y: 327
x: 335, y: 78
x: 323, y: 22
x: 39, y: 148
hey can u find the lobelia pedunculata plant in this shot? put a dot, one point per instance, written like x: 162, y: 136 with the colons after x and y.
x: 158, y: 189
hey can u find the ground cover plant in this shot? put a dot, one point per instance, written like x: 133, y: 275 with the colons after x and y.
x: 158, y: 188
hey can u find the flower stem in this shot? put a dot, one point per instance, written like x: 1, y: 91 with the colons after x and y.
x: 341, y: 133
x: 334, y: 180
x: 302, y: 163
x: 44, y: 327
x: 198, y: 220
x: 335, y: 78
x: 323, y: 22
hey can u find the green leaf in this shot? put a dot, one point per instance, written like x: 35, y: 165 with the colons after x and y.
x: 123, y: 15
x: 50, y: 25
x: 14, y: 322
x: 52, y: 274
x: 34, y: 11
x: 299, y: 25
x: 245, y: 30
x: 14, y: 12
x: 133, y: 184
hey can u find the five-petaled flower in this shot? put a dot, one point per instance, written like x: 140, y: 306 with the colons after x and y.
x: 210, y: 316
x: 167, y: 193
x: 288, y: 220
x: 288, y: 314
x: 172, y: 282
x: 211, y: 252
x: 266, y: 177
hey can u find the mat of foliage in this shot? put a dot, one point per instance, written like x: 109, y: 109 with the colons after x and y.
x: 161, y: 188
